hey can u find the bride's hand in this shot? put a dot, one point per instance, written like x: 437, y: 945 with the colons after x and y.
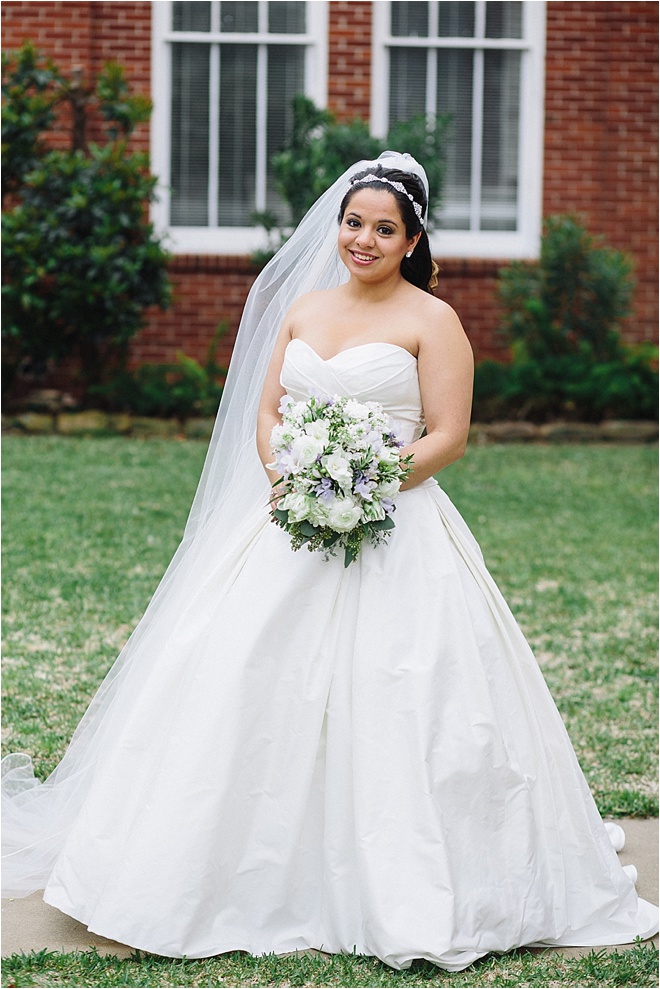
x: 276, y: 494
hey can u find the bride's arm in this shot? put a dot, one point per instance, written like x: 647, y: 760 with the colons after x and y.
x: 271, y: 395
x: 446, y: 370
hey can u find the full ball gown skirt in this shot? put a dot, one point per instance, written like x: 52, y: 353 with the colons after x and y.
x: 362, y: 759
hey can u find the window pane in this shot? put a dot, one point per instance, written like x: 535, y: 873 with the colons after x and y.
x: 499, y: 169
x: 191, y: 16
x: 410, y: 20
x: 286, y: 77
x: 407, y: 82
x: 286, y: 18
x: 455, y: 20
x: 239, y: 16
x: 190, y: 135
x: 238, y: 124
x: 504, y: 20
x: 455, y: 97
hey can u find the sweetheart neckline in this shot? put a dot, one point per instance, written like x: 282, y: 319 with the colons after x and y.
x: 358, y: 346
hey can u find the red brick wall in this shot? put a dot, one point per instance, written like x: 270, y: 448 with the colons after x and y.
x: 349, y: 59
x: 469, y: 286
x: 207, y: 290
x: 601, y: 133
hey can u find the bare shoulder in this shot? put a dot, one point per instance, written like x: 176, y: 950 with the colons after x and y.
x: 439, y: 327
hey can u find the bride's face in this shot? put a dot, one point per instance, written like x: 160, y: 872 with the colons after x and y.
x: 372, y: 237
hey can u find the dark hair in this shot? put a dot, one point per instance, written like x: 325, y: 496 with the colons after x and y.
x: 419, y: 269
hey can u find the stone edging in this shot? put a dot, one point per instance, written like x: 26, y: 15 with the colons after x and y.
x: 93, y: 422
x: 609, y: 431
x: 96, y: 423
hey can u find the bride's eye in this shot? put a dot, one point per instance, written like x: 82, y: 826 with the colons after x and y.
x: 352, y: 222
x: 385, y: 230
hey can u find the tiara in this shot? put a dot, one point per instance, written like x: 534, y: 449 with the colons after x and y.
x: 399, y: 186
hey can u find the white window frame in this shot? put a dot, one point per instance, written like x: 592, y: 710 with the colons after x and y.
x: 219, y: 240
x: 525, y: 241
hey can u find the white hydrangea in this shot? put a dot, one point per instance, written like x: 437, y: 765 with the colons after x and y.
x: 297, y: 505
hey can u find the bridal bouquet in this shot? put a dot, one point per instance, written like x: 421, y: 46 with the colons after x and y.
x: 341, y: 471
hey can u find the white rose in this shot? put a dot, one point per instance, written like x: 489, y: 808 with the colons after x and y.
x: 343, y: 514
x: 339, y: 469
x: 355, y: 410
x: 305, y: 449
x: 388, y: 489
x: 318, y: 430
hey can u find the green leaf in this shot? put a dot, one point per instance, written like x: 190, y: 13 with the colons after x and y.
x: 350, y: 554
x: 281, y: 515
x: 383, y: 524
x: 308, y: 529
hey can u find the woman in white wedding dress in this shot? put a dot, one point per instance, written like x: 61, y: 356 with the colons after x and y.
x: 292, y: 754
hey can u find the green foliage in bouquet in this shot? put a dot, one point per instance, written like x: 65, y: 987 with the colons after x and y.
x: 317, y: 537
x: 562, y: 316
x: 321, y: 148
x: 81, y: 262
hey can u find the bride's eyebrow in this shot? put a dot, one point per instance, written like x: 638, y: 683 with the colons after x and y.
x: 391, y: 223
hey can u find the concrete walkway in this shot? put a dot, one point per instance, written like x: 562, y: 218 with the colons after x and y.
x: 30, y: 925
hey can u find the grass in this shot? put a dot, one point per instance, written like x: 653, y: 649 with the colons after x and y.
x: 568, y: 533
x: 637, y: 966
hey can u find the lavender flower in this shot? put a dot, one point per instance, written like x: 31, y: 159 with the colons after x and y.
x: 363, y: 486
x: 388, y: 505
x: 324, y: 490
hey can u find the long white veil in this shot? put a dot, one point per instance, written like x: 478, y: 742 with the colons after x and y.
x: 233, y: 486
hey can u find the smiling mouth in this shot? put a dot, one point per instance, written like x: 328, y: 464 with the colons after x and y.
x: 363, y: 257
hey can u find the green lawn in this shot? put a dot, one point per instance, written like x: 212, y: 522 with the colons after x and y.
x: 568, y: 532
x: 637, y: 966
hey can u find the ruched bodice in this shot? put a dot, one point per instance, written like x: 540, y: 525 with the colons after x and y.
x: 370, y: 372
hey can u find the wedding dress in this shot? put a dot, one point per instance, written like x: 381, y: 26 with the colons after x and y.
x: 363, y: 759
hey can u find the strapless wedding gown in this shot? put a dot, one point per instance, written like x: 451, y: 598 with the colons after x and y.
x: 362, y: 759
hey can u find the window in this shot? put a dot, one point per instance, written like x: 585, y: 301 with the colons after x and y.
x: 482, y: 63
x: 224, y: 74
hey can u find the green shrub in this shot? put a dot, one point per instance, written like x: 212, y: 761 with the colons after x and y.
x: 29, y: 95
x: 562, y: 317
x: 80, y: 261
x: 574, y: 297
x: 179, y: 390
x: 569, y: 387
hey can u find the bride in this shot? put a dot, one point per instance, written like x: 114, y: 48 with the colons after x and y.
x: 291, y: 754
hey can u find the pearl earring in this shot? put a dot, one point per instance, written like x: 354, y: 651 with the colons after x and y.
x: 409, y: 254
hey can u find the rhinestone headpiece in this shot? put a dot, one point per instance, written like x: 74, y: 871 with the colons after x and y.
x: 399, y: 186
